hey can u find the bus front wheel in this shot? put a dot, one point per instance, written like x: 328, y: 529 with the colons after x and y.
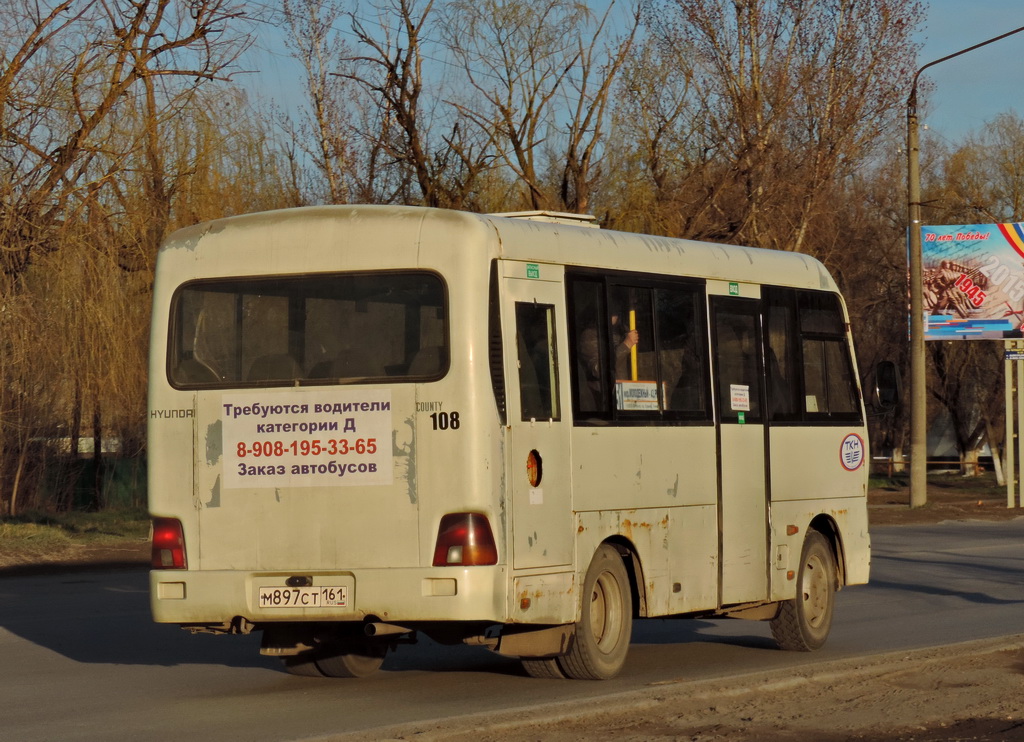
x: 601, y: 639
x: 803, y: 623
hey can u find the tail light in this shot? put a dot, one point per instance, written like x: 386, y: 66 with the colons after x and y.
x: 464, y: 540
x: 168, y: 544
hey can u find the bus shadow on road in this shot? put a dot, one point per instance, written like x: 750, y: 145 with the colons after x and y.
x: 104, y: 618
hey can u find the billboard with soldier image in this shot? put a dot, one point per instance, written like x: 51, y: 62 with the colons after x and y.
x: 973, y: 281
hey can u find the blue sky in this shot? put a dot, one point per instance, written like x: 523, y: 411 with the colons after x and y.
x: 971, y: 89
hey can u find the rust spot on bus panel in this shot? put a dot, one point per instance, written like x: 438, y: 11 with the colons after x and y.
x: 628, y: 525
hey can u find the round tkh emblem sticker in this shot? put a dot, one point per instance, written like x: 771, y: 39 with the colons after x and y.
x: 851, y: 453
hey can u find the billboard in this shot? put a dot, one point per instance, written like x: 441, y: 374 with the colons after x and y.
x: 973, y: 281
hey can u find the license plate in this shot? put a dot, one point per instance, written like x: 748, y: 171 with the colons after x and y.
x: 304, y: 597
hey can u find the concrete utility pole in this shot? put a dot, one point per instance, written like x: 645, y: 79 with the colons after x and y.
x: 918, y: 392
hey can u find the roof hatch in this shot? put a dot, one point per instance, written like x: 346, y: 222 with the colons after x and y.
x: 554, y: 217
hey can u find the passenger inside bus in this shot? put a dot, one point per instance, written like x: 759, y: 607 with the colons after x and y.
x: 622, y: 340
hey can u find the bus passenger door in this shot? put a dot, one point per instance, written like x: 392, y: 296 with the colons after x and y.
x: 742, y: 493
x: 537, y: 474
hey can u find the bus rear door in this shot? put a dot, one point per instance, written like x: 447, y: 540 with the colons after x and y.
x: 538, y: 478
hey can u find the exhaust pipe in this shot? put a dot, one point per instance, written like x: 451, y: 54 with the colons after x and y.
x: 383, y: 629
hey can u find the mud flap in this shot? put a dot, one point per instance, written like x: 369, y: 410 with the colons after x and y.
x: 521, y: 641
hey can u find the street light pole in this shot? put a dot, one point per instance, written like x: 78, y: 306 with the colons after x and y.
x: 918, y: 393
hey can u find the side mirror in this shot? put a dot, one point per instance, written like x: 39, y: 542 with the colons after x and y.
x: 888, y: 389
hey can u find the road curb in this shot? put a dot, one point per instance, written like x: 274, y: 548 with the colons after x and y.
x: 658, y: 694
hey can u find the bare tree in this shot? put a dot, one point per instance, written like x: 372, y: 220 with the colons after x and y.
x: 981, y: 179
x: 663, y: 160
x: 323, y: 132
x: 93, y: 53
x: 598, y: 71
x: 962, y: 382
x: 411, y: 130
x: 87, y: 89
x: 518, y: 57
x: 792, y: 94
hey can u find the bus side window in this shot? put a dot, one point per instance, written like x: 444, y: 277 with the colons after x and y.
x: 538, y: 379
x: 588, y: 346
x: 810, y: 373
x: 737, y: 364
x: 780, y: 359
x: 668, y: 381
x: 829, y: 386
x: 680, y: 322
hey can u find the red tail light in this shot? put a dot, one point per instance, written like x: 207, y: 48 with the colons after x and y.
x: 168, y: 544
x: 464, y: 540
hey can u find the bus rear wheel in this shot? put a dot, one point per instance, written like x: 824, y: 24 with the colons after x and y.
x: 302, y: 664
x: 803, y: 623
x: 361, y: 662
x: 545, y: 668
x: 353, y: 658
x: 601, y: 640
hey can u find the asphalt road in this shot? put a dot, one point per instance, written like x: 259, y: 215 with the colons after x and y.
x: 81, y: 659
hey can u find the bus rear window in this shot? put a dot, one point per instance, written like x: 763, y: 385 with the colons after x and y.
x: 315, y: 329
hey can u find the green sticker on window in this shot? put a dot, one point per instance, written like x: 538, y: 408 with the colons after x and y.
x: 532, y: 270
x: 743, y: 417
x: 734, y: 289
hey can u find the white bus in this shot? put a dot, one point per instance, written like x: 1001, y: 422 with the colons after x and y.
x: 516, y: 431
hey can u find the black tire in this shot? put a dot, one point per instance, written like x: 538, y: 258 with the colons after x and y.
x: 601, y: 638
x: 354, y: 658
x: 803, y: 623
x: 546, y: 668
x: 302, y: 664
x: 355, y: 662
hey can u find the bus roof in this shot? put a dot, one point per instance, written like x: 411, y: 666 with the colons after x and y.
x: 574, y: 245
x: 522, y: 236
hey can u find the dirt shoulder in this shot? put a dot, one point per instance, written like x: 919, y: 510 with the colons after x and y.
x: 967, y: 691
x: 124, y: 554
x: 950, y: 497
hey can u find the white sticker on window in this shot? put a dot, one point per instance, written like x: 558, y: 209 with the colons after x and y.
x: 740, y: 395
x: 636, y: 395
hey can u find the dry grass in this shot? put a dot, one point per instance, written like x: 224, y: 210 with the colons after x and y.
x: 950, y: 497
x: 36, y: 538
